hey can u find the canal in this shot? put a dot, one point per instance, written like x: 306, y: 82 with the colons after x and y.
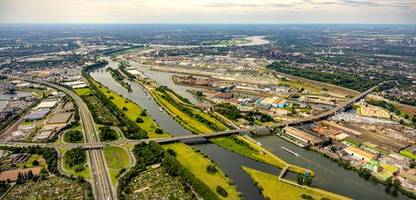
x: 228, y: 161
x: 329, y: 175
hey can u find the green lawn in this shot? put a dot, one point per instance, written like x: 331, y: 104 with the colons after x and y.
x: 32, y: 158
x: 116, y: 159
x: 274, y: 189
x: 71, y: 170
x: 133, y: 111
x: 197, y: 164
x: 83, y: 91
x: 408, y: 154
x: 187, y: 121
x: 240, y: 145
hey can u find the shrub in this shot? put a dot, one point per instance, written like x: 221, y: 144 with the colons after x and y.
x: 221, y: 191
x: 139, y: 120
x: 73, y: 136
x: 212, y: 169
x: 158, y: 131
x: 171, y: 152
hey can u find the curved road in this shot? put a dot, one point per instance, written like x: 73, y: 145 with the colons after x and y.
x: 102, y: 187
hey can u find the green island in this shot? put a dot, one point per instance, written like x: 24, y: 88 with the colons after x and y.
x: 197, y: 163
x: 118, y: 76
x: 275, y: 189
x: 117, y: 159
x: 179, y: 161
x: 156, y: 183
x: 102, y: 114
x: 73, y: 136
x: 132, y: 111
x: 75, y: 163
x: 185, y: 115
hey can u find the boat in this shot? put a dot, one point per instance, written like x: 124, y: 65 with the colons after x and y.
x: 290, y: 151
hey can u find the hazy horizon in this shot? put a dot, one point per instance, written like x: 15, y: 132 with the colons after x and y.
x: 208, y: 12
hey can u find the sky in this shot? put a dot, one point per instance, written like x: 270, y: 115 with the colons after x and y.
x: 209, y: 11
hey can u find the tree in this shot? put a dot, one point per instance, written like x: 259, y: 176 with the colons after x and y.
x: 107, y: 134
x: 35, y: 163
x: 143, y: 113
x: 199, y: 93
x: 171, y: 152
x: 158, y: 131
x: 139, y: 120
x: 221, y: 191
x: 73, y: 136
x: 212, y: 169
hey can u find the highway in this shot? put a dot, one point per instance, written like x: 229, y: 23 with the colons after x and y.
x: 101, y: 179
x: 102, y: 187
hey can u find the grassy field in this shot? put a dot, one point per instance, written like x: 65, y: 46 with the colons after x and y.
x: 188, y: 122
x: 373, y: 111
x: 133, y: 112
x: 197, y: 164
x: 83, y: 91
x: 51, y: 188
x: 116, y: 159
x: 71, y: 170
x: 240, y: 145
x: 274, y: 189
x: 408, y: 154
x: 32, y: 158
x: 156, y: 183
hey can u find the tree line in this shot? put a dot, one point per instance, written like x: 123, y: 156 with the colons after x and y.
x: 130, y: 128
x: 152, y: 153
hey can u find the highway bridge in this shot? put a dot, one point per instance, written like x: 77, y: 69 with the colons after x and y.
x: 102, y: 186
x: 101, y: 179
x: 99, y: 145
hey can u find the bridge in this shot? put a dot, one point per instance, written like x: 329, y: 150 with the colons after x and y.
x: 99, y: 145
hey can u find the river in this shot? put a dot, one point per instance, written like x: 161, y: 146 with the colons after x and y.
x: 329, y: 175
x: 220, y: 156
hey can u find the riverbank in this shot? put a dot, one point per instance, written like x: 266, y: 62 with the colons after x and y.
x: 132, y: 111
x: 273, y: 188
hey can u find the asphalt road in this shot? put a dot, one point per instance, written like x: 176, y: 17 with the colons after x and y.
x: 101, y: 179
x: 102, y: 187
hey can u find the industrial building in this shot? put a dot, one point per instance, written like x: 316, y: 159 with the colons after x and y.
x: 270, y: 102
x: 299, y: 137
x: 37, y: 114
x: 359, y: 154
